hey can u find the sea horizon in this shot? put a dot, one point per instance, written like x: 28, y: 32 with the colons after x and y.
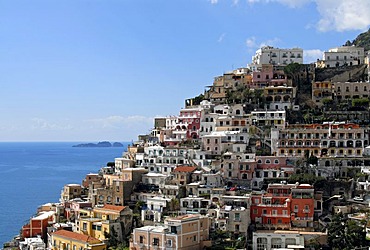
x: 34, y: 173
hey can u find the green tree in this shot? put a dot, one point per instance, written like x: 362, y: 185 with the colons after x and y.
x: 112, y: 237
x: 305, y: 178
x: 110, y: 164
x: 174, y: 204
x: 336, y: 232
x: 198, y: 99
x: 360, y: 102
x: 346, y: 234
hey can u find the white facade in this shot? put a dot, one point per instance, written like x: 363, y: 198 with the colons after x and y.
x: 345, y: 55
x: 208, y: 124
x: 276, y: 56
x: 155, y: 179
x: 275, y: 119
x: 277, y: 239
x: 155, y: 207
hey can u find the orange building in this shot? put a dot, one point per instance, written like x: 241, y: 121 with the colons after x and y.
x: 283, y: 206
x: 38, y: 225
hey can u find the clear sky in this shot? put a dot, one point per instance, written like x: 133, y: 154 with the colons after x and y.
x: 91, y: 70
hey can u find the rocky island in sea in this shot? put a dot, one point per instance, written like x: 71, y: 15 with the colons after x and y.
x: 102, y: 144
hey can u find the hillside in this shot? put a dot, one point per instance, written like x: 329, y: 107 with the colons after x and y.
x: 362, y: 40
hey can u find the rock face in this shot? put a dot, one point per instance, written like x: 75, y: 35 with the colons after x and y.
x: 354, y: 73
x: 102, y: 144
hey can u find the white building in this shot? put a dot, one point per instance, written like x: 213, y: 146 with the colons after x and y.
x: 345, y: 55
x: 275, y: 119
x: 284, y: 239
x: 276, y: 56
x: 154, y: 208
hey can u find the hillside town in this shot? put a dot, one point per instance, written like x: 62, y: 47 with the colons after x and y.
x: 275, y: 155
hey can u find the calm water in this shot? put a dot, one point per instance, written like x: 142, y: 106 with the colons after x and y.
x: 34, y: 173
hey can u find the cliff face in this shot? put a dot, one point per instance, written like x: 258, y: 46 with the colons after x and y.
x: 354, y: 73
x: 362, y: 40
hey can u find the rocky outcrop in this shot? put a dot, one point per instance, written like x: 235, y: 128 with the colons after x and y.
x: 355, y: 73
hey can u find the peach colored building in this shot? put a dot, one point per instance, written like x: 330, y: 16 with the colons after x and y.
x: 182, y: 175
x: 64, y: 239
x: 322, y: 140
x: 71, y: 191
x: 187, y: 232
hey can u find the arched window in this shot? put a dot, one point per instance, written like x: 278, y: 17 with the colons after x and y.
x: 261, y: 243
x: 276, y: 243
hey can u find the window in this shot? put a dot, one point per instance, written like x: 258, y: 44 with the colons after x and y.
x: 290, y: 241
x: 276, y: 243
x: 141, y: 239
x: 169, y: 243
x: 261, y: 243
x: 237, y: 216
x: 156, y: 241
x: 194, y: 238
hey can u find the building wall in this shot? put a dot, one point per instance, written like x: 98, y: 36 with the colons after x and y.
x: 272, y: 240
x: 61, y: 243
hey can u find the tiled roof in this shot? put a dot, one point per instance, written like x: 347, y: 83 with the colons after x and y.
x: 184, y: 169
x: 113, y: 207
x: 76, y: 236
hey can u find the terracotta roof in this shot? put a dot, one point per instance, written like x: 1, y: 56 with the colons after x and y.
x: 113, y: 207
x: 76, y: 236
x: 184, y: 169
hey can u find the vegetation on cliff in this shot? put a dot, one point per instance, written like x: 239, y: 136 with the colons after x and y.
x: 362, y: 40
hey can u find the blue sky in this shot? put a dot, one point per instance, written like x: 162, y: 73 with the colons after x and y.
x: 90, y: 70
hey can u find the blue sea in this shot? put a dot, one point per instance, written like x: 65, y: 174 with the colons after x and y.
x: 34, y: 173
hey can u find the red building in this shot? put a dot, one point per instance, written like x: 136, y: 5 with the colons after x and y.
x: 38, y: 225
x: 190, y: 118
x: 283, y: 206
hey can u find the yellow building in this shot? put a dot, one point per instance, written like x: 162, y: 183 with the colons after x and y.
x: 64, y: 239
x: 103, y: 218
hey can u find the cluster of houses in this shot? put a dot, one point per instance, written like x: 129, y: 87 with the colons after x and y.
x: 223, y: 166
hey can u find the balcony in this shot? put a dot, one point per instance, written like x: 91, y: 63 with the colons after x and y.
x: 276, y: 215
x: 304, y: 218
